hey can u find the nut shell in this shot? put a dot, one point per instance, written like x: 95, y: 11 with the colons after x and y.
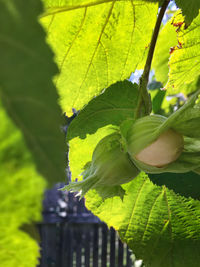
x: 166, y: 149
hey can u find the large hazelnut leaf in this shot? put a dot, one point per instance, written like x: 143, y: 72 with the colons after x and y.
x: 161, y: 227
x: 96, y: 43
x: 26, y: 88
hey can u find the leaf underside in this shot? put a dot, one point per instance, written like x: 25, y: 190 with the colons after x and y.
x: 26, y: 86
x: 96, y: 44
x: 185, y: 61
x: 160, y: 227
x: 116, y: 104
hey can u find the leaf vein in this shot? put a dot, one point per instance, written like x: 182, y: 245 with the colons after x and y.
x: 95, y: 50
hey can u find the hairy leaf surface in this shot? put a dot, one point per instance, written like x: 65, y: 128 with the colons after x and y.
x: 26, y: 86
x: 113, y: 106
x: 162, y: 228
x: 96, y: 44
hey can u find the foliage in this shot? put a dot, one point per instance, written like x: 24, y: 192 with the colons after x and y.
x: 116, y: 104
x: 26, y: 89
x: 98, y: 49
x: 184, y: 62
x: 167, y: 39
x: 190, y: 9
x: 159, y: 226
x: 29, y: 96
x: 21, y: 195
x: 97, y: 45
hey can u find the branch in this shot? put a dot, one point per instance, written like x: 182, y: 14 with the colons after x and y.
x: 143, y: 93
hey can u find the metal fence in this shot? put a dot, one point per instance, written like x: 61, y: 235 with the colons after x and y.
x: 73, y: 237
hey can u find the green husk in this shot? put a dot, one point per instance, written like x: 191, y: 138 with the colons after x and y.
x: 110, y: 167
x: 185, y: 121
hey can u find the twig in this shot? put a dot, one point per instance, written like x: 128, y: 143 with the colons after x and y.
x: 144, y: 97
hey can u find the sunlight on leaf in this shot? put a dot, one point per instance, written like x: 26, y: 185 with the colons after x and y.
x: 160, y: 227
x: 21, y: 194
x: 81, y: 150
x: 185, y: 61
x: 167, y: 39
x: 96, y: 44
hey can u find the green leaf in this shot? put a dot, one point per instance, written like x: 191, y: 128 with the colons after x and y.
x: 113, y: 106
x: 185, y: 184
x: 81, y: 150
x: 167, y: 39
x: 190, y: 9
x: 21, y: 194
x: 18, y: 249
x: 184, y: 62
x: 161, y: 228
x: 26, y: 88
x: 96, y: 43
x: 157, y: 100
x: 186, y: 119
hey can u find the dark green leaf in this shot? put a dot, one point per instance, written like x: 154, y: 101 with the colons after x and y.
x: 189, y: 8
x: 113, y: 106
x: 185, y: 184
x: 158, y: 100
x: 26, y: 86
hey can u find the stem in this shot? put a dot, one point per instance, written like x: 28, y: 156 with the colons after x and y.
x: 144, y: 95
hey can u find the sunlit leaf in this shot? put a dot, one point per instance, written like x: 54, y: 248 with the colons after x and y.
x: 185, y: 61
x: 167, y: 39
x: 18, y: 249
x: 81, y: 150
x: 21, y: 193
x: 161, y: 227
x: 96, y: 43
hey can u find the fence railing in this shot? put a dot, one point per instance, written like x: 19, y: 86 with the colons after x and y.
x: 73, y: 237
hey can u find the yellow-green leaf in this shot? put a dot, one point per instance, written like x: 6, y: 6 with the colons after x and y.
x: 96, y: 43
